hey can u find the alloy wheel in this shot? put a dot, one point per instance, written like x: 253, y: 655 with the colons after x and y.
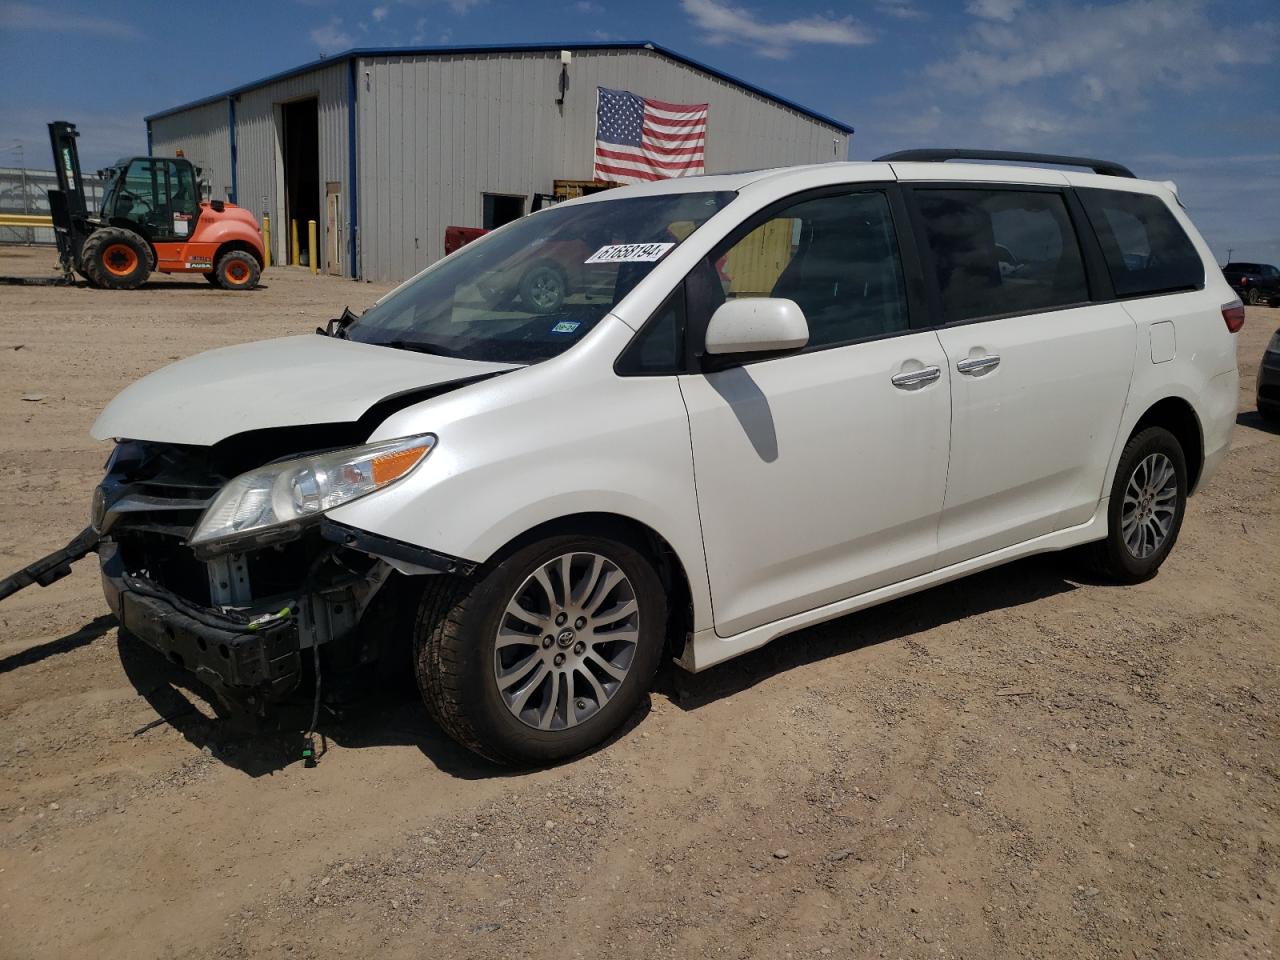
x: 566, y: 641
x: 1150, y: 505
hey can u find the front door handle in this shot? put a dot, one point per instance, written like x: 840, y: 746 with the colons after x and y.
x: 976, y: 365
x: 916, y: 378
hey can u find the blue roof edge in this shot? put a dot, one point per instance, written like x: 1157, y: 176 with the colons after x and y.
x: 358, y: 52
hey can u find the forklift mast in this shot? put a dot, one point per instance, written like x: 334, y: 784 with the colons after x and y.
x: 66, y: 163
x: 67, y: 207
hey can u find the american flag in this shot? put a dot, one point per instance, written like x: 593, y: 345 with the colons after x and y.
x: 640, y: 139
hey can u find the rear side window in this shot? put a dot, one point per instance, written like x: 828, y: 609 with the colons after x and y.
x: 1145, y: 247
x: 1002, y: 252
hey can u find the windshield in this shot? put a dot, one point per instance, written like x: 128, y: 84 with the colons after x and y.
x: 536, y: 288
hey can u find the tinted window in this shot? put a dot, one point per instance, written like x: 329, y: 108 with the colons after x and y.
x: 999, y: 252
x: 1145, y: 247
x: 1242, y: 267
x: 837, y: 257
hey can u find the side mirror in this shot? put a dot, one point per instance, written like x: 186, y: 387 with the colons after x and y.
x: 756, y: 325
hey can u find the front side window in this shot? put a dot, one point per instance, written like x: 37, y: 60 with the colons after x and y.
x: 1002, y: 252
x: 141, y: 193
x: 534, y: 289
x: 835, y: 256
x: 1145, y: 247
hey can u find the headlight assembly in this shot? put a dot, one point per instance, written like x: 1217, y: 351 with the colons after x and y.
x: 286, y: 493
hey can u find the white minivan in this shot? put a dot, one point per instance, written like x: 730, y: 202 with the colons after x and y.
x: 752, y: 402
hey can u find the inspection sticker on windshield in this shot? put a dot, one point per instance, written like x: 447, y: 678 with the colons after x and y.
x: 630, y: 253
x: 566, y: 326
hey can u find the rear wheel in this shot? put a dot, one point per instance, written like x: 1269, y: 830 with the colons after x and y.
x: 237, y: 270
x: 543, y: 289
x: 115, y: 258
x: 1255, y: 297
x: 1148, y: 500
x: 547, y: 653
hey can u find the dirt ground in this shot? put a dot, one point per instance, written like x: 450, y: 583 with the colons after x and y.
x: 1020, y: 764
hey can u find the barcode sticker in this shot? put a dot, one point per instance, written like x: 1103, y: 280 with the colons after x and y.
x: 630, y: 253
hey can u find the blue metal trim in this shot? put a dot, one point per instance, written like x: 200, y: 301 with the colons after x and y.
x: 231, y: 128
x: 351, y: 55
x: 353, y: 217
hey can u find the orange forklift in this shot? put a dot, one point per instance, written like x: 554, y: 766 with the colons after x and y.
x: 152, y: 219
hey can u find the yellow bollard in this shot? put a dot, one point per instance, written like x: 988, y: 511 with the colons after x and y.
x: 293, y: 243
x: 311, y: 246
x: 266, y: 240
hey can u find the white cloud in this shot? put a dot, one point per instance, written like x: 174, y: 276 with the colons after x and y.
x: 331, y: 37
x: 1113, y: 56
x: 722, y: 23
x: 900, y: 9
x: 25, y: 16
x: 587, y: 6
x: 379, y: 14
x: 1003, y: 10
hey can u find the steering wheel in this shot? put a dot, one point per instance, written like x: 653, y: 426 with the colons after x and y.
x: 137, y: 204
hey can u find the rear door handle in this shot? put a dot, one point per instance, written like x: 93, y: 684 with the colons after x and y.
x: 916, y: 378
x: 972, y: 365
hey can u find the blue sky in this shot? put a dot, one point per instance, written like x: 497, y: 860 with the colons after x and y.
x: 1187, y: 90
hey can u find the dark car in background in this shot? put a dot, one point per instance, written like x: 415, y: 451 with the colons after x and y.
x: 1269, y: 381
x: 1257, y: 283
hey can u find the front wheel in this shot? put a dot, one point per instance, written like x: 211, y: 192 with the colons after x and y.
x: 115, y: 258
x: 1148, y: 500
x: 547, y: 653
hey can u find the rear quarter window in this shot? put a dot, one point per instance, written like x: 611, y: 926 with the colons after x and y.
x: 1145, y: 247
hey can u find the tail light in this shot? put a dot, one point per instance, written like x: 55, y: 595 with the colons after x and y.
x: 1233, y: 315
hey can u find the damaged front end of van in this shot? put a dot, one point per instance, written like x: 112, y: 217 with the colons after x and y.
x: 214, y: 541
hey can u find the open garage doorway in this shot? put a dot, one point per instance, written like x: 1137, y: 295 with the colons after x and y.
x: 300, y: 143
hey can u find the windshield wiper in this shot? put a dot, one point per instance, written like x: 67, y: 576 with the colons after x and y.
x: 337, y: 327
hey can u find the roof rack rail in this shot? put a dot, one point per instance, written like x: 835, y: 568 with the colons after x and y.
x: 1104, y: 167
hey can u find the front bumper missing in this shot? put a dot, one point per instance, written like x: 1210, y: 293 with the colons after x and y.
x: 246, y: 665
x: 252, y: 654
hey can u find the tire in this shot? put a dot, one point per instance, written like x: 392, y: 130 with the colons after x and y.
x: 1255, y: 297
x: 514, y: 720
x: 543, y: 288
x: 211, y: 276
x: 1115, y: 557
x: 115, y: 258
x: 237, y: 270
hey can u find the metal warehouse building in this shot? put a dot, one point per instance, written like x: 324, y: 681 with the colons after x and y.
x: 385, y: 148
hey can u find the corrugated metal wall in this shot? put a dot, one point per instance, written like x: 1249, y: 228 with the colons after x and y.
x: 201, y: 133
x: 436, y: 133
x: 259, y: 160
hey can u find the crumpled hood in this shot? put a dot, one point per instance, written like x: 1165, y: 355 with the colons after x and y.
x: 286, y: 382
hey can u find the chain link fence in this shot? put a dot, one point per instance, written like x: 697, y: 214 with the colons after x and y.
x: 27, y: 191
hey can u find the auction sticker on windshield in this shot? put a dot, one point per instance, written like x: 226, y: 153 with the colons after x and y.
x: 629, y: 253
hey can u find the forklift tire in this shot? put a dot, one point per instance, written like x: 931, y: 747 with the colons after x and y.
x: 115, y: 258
x: 237, y: 270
